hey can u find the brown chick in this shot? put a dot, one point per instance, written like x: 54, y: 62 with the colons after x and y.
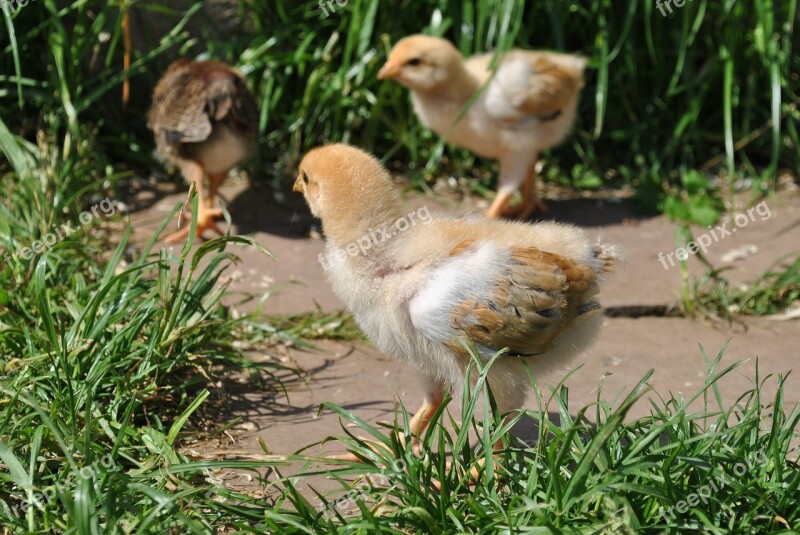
x: 418, y: 284
x: 528, y: 105
x: 205, y: 121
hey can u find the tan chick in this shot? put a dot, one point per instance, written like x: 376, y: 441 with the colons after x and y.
x: 205, y: 122
x: 416, y: 284
x: 528, y: 106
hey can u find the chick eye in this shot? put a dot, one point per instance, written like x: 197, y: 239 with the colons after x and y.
x: 414, y: 62
x: 305, y: 177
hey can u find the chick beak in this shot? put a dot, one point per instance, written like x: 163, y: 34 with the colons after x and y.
x: 298, y: 187
x: 389, y: 70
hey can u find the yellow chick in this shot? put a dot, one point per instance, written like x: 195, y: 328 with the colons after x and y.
x: 527, y: 105
x: 205, y: 122
x: 416, y: 282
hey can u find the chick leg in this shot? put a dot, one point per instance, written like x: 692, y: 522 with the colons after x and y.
x: 514, y: 169
x: 422, y: 418
x: 214, y: 182
x: 500, y: 204
x: 194, y: 172
x: 530, y: 202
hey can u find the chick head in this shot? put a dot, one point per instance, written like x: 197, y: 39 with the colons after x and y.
x: 345, y: 185
x: 421, y: 62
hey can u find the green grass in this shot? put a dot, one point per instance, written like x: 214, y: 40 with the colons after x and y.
x: 775, y: 291
x: 103, y: 366
x: 108, y: 363
x: 591, y: 470
x: 666, y: 96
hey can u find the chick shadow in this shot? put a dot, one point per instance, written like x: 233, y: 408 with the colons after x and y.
x: 273, y: 397
x: 598, y: 212
x: 526, y: 432
x: 279, y: 212
x: 282, y: 395
x: 141, y: 194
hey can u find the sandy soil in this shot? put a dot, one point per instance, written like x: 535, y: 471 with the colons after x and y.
x: 362, y: 380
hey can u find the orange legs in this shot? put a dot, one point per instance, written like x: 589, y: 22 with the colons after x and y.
x: 417, y: 425
x: 206, y: 212
x: 499, y: 207
x: 530, y: 202
x: 214, y: 182
x: 422, y: 418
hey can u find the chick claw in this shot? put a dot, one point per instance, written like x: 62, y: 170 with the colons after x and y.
x: 378, y: 447
x: 205, y: 221
x: 473, y: 475
x: 525, y: 209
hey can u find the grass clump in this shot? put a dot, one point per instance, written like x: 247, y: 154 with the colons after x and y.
x: 773, y: 293
x: 712, y: 295
x: 102, y: 370
x: 695, y: 464
x: 317, y: 325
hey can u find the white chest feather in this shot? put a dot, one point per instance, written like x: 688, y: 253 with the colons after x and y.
x: 223, y: 151
x: 473, y: 130
x: 470, y: 276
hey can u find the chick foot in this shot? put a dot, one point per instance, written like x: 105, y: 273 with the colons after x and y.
x: 474, y: 473
x: 205, y: 221
x: 378, y: 447
x: 525, y: 209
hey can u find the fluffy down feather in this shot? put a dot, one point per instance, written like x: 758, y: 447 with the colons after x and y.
x: 500, y: 284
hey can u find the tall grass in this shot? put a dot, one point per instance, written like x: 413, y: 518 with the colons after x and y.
x: 103, y: 361
x: 664, y: 94
x: 105, y: 357
x: 711, y: 86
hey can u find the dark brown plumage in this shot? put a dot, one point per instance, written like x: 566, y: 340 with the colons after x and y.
x: 205, y: 121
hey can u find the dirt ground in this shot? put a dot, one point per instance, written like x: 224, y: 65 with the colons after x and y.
x: 359, y: 378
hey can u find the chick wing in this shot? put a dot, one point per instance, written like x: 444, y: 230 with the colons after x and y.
x: 520, y: 298
x: 533, y: 85
x: 193, y: 96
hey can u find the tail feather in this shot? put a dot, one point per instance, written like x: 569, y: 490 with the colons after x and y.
x: 608, y: 255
